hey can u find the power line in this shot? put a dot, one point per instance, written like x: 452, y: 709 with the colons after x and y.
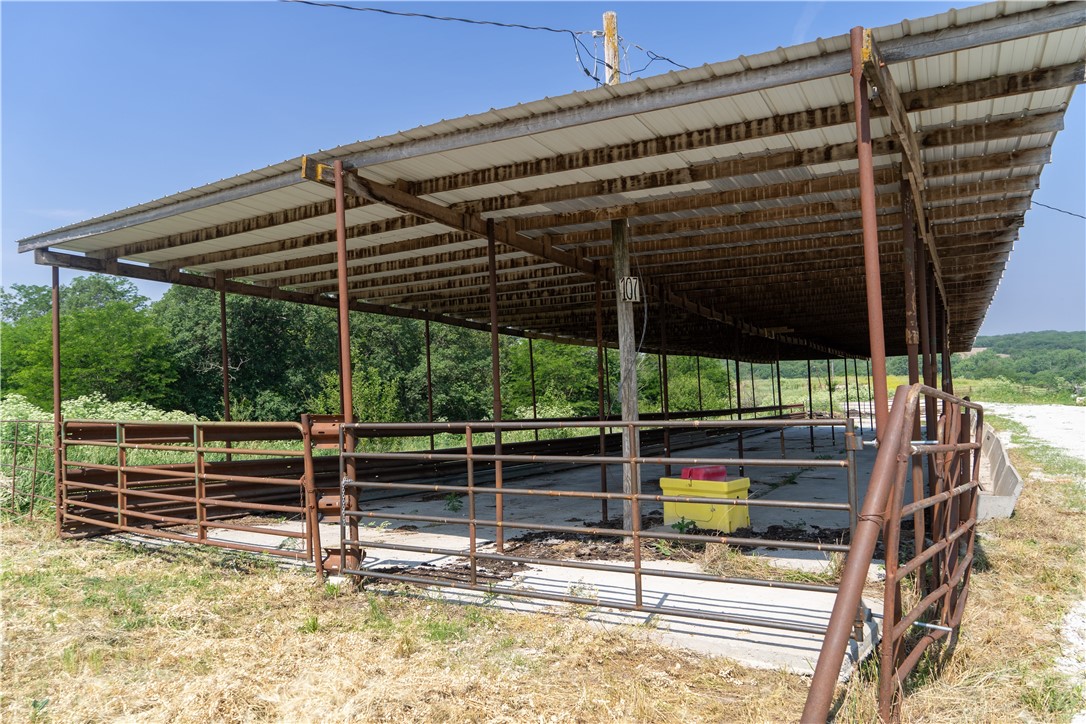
x: 575, y: 35
x: 1069, y: 213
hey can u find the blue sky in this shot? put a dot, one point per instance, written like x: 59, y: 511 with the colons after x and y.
x: 107, y: 105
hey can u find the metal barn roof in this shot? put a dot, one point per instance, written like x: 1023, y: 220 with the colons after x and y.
x: 738, y: 180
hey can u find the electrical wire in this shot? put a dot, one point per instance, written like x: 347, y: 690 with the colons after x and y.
x: 1062, y: 211
x: 575, y: 35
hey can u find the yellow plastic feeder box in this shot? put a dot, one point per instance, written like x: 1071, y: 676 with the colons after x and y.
x: 724, y: 517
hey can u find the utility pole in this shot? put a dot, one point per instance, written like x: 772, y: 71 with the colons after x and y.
x: 627, y: 346
x: 610, y: 47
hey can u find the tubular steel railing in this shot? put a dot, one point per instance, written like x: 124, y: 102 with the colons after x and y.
x: 191, y: 482
x: 355, y: 479
x: 26, y: 466
x: 934, y: 574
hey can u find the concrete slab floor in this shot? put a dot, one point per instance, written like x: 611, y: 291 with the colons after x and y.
x: 744, y: 641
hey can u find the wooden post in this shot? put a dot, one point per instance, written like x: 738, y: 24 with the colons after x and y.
x: 627, y: 339
x: 627, y: 354
x: 610, y: 47
x: 739, y: 413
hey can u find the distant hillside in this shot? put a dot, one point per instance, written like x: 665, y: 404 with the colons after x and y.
x: 1053, y: 360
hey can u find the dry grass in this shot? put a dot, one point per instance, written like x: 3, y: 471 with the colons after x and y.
x: 96, y: 631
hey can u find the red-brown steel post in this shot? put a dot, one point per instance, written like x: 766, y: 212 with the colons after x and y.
x: 854, y: 576
x: 810, y: 403
x: 912, y: 342
x: 15, y: 467
x: 927, y: 369
x: 944, y: 330
x: 780, y: 399
x: 848, y: 400
x: 856, y: 376
x: 868, y: 212
x: 496, y: 378
x: 739, y: 413
x: 58, y: 456
x: 701, y: 401
x: 665, y: 403
x: 829, y: 387
x: 600, y: 384
x: 429, y: 382
x: 531, y: 375
x: 220, y: 282
x: 346, y: 387
x: 309, y: 489
x: 753, y: 391
x: 933, y: 330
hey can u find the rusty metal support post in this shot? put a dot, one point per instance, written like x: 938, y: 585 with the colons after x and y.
x: 780, y: 399
x: 199, y: 482
x: 600, y: 384
x: 856, y: 376
x: 944, y: 331
x: 810, y: 403
x: 351, y: 560
x: 665, y: 402
x: 531, y: 375
x: 429, y: 382
x: 780, y: 395
x: 220, y: 281
x: 309, y: 488
x: 701, y: 401
x: 122, y: 476
x: 727, y: 370
x: 469, y: 449
x: 739, y: 413
x: 933, y: 353
x: 868, y: 212
x: 926, y: 369
x: 753, y: 391
x: 848, y: 401
x: 829, y: 388
x: 496, y: 378
x: 912, y: 342
x: 58, y: 453
x: 854, y: 577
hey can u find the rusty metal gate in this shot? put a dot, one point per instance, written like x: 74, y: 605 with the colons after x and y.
x: 226, y: 484
x: 481, y: 469
x: 932, y: 566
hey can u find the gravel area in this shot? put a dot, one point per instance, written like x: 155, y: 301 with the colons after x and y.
x: 1061, y: 426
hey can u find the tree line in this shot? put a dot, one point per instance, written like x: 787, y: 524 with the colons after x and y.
x: 283, y: 359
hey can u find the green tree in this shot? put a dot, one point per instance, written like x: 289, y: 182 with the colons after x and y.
x: 109, y: 344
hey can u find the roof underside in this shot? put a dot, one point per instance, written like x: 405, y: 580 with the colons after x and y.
x: 739, y: 181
